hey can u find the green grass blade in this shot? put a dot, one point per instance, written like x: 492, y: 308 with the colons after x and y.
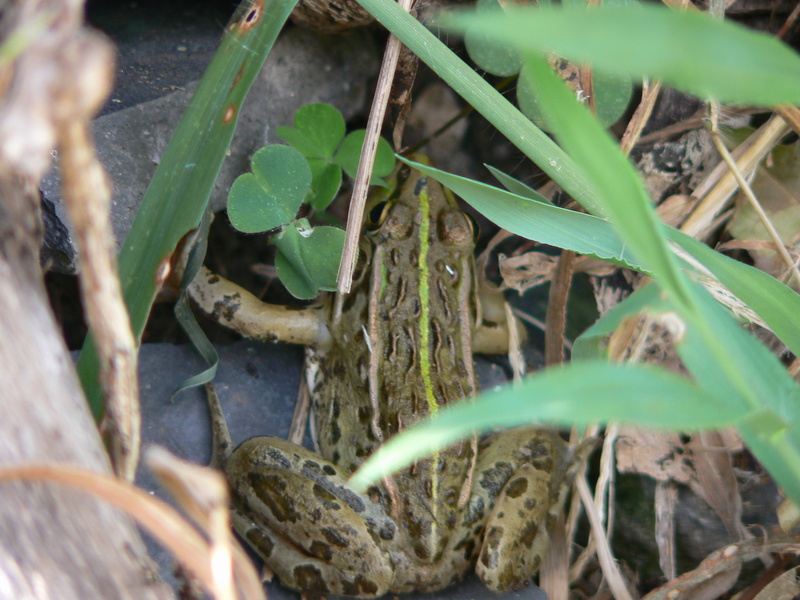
x: 590, y: 344
x: 710, y: 58
x: 176, y: 198
x: 486, y: 100
x: 624, y: 198
x: 580, y: 393
x: 540, y: 221
x: 776, y: 303
x: 515, y: 186
x: 769, y: 386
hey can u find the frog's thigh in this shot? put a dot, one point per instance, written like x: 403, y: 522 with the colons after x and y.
x: 517, y: 531
x: 297, y: 511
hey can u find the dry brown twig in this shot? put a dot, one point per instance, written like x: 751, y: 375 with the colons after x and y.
x: 87, y: 196
x: 160, y: 519
x: 355, y: 215
x: 718, y: 187
x: 50, y: 97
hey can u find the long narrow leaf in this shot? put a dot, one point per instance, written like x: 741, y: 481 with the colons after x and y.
x: 590, y: 344
x: 486, y: 100
x: 777, y: 304
x: 696, y: 53
x: 538, y: 221
x: 624, y: 197
x: 176, y: 198
x: 577, y: 394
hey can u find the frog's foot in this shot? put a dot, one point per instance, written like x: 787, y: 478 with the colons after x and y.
x: 296, y: 510
x: 518, y: 529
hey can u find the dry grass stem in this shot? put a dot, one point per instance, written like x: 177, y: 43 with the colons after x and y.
x: 608, y: 563
x: 791, y: 114
x: 203, y: 494
x: 719, y: 186
x: 604, y: 488
x: 515, y: 343
x: 554, y: 571
x: 754, y: 203
x: 665, y: 499
x: 556, y: 317
x: 302, y: 408
x: 161, y: 520
x: 355, y: 215
x: 640, y: 117
x: 603, y: 498
x: 87, y: 196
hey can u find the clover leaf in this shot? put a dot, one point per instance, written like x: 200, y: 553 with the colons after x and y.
x: 308, y: 259
x: 318, y: 130
x: 308, y: 170
x: 271, y: 195
x: 318, y: 134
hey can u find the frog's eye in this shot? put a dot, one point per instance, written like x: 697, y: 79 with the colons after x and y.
x: 377, y: 215
x: 474, y: 228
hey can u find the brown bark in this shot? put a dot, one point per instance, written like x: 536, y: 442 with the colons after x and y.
x: 54, y: 542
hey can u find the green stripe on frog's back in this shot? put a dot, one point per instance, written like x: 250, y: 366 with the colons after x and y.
x: 421, y: 190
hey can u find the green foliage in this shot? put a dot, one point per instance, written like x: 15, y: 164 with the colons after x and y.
x: 710, y: 58
x: 269, y: 198
x: 318, y: 130
x: 735, y: 379
x: 319, y: 135
x: 271, y: 195
x: 308, y: 258
x: 350, y: 152
x: 612, y: 95
x: 309, y: 170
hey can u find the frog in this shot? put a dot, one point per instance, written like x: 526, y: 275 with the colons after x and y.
x: 395, y: 351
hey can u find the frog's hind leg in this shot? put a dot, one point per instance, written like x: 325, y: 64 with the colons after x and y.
x: 296, y: 510
x: 526, y: 474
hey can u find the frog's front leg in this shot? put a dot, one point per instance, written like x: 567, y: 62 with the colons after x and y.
x: 297, y: 511
x: 234, y: 307
x: 524, y: 476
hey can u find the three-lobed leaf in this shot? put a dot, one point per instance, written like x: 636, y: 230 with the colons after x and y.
x: 326, y: 179
x: 349, y: 154
x: 318, y: 130
x: 271, y: 195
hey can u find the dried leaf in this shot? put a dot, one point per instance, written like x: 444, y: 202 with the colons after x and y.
x: 661, y: 455
x: 785, y: 587
x: 716, y: 482
x: 527, y: 270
